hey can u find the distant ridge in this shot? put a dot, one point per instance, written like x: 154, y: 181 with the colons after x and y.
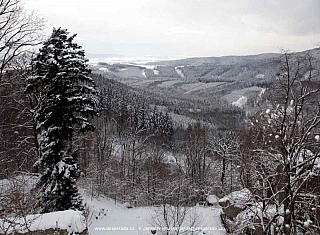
x: 228, y: 60
x: 223, y: 60
x: 101, y: 56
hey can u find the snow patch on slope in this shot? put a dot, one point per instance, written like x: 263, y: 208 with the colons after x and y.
x: 179, y: 71
x: 144, y: 73
x: 104, y: 69
x: 263, y: 90
x: 240, y: 102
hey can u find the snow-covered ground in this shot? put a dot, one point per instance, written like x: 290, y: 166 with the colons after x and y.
x: 116, y: 219
x: 108, y: 217
x: 70, y: 220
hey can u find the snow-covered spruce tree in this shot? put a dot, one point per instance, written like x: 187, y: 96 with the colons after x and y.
x: 66, y: 98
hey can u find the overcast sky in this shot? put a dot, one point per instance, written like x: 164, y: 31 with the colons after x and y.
x: 185, y: 27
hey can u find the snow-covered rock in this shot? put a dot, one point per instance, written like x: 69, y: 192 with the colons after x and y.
x: 235, y: 202
x: 232, y: 205
x: 212, y: 200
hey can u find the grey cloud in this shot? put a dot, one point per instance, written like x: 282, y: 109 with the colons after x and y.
x: 186, y: 27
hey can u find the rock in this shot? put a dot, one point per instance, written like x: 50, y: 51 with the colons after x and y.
x: 235, y: 202
x: 232, y: 211
x: 241, y: 214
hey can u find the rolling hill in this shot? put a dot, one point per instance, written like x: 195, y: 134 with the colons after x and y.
x: 204, y: 83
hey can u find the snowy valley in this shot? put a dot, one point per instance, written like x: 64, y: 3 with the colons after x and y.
x: 106, y: 144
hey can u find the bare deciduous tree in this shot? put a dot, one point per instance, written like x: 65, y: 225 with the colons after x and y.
x: 19, y: 31
x: 285, y: 158
x: 175, y: 220
x: 226, y: 147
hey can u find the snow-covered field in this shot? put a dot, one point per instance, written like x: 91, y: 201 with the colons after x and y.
x: 117, y: 219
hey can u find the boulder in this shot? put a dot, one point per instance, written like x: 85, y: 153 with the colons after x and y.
x: 235, y: 202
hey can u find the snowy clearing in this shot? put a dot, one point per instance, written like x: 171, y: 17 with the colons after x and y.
x: 119, y: 220
x: 237, y: 94
x: 240, y: 102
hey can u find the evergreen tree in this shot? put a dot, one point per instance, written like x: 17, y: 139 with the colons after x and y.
x: 66, y: 100
x: 168, y: 126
